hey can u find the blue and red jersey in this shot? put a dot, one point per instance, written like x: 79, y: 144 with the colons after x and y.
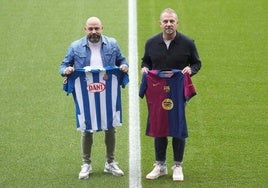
x: 166, y: 95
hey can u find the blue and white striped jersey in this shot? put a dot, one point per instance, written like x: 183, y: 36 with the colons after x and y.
x: 97, y: 97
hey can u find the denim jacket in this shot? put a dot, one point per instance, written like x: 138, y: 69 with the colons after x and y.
x: 78, y: 54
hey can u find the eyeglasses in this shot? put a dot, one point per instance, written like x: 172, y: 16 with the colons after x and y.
x: 93, y: 28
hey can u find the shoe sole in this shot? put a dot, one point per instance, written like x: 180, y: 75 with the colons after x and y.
x: 178, y: 180
x: 156, y: 177
x: 85, y: 177
x: 115, y: 174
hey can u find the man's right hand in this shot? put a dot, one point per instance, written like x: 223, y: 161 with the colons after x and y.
x: 144, y: 70
x: 68, y: 70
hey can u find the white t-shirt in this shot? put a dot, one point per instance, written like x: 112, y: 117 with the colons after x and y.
x: 95, y: 59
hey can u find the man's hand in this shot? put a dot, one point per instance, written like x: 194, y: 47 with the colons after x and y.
x: 68, y: 70
x: 187, y: 70
x: 124, y: 68
x: 144, y: 70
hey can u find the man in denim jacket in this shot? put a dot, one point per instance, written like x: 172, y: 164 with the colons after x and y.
x: 95, y: 51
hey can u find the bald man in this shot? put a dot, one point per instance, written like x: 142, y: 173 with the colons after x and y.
x: 96, y: 51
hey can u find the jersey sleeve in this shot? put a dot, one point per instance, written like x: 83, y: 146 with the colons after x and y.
x: 143, y: 86
x: 125, y: 79
x: 68, y: 84
x: 189, y: 89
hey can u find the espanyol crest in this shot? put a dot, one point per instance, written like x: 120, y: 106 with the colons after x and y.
x: 96, y: 87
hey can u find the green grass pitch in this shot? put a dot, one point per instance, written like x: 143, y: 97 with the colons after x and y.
x: 227, y: 120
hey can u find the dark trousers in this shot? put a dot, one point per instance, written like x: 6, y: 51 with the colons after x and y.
x: 160, y: 145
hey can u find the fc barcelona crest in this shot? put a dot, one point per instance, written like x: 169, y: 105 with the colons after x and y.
x: 167, y: 104
x: 167, y: 89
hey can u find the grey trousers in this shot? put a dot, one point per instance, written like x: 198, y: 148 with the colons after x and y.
x: 87, y: 142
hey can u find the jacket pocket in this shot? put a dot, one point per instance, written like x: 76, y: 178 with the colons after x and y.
x: 79, y: 59
x: 110, y: 58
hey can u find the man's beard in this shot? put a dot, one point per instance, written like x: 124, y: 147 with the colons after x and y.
x: 94, y: 38
x: 169, y: 31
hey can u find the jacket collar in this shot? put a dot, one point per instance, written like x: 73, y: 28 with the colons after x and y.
x: 103, y: 39
x: 176, y: 39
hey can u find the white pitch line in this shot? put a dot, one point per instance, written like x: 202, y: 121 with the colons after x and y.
x: 134, y: 116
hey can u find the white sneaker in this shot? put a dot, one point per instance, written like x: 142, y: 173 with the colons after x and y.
x: 159, y: 170
x: 177, y: 173
x: 113, y: 169
x: 86, y: 169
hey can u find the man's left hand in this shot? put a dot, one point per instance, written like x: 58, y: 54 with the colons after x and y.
x: 187, y: 70
x: 124, y: 68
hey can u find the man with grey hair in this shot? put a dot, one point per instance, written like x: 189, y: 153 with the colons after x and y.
x: 96, y: 51
x: 169, y: 50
